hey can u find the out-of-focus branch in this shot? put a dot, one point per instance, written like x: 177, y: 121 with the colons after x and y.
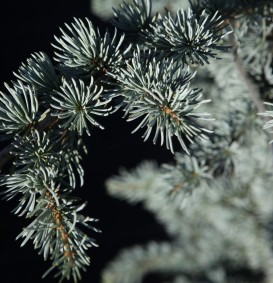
x: 251, y: 86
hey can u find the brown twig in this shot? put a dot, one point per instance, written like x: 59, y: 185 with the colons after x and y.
x: 5, y: 156
x: 69, y: 253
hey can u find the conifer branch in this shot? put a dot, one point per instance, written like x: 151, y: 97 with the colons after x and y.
x: 160, y: 72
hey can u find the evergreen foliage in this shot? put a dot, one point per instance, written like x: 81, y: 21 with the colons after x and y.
x: 215, y: 200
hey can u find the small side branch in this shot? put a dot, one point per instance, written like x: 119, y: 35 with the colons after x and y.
x: 6, y: 156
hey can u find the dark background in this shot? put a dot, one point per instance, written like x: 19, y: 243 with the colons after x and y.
x: 27, y: 27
